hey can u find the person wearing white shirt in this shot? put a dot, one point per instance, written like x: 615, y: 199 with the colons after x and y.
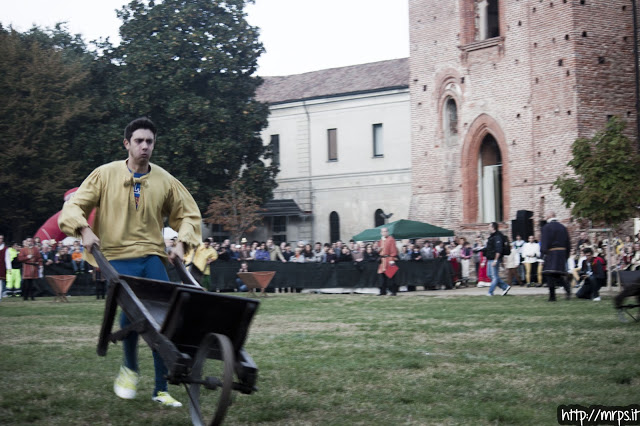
x: 531, y: 255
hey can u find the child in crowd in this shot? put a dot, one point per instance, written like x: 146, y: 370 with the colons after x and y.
x: 77, y: 261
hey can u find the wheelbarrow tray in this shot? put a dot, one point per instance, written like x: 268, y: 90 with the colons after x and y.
x: 174, y: 319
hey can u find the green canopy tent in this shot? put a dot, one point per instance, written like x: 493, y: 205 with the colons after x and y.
x: 405, y: 229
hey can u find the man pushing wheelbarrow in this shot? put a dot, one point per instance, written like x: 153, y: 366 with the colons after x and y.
x: 131, y: 198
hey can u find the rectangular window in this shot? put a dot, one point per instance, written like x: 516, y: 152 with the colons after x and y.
x: 378, y: 149
x: 279, y: 224
x: 275, y: 149
x: 279, y: 229
x: 332, y: 138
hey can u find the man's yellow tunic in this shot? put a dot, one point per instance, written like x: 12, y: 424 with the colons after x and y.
x: 124, y: 231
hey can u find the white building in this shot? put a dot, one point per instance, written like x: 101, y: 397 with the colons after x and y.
x: 342, y: 139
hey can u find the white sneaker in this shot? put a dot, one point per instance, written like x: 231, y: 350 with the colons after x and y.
x: 126, y: 383
x: 166, y: 400
x: 504, y: 293
x: 597, y: 299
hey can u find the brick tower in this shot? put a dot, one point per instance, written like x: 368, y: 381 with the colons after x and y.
x: 500, y: 89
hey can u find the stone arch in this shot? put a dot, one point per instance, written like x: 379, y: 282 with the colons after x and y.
x: 448, y: 88
x: 482, y: 126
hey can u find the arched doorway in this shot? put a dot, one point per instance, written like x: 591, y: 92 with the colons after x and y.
x: 490, y: 204
x: 334, y: 227
x: 485, y: 172
x: 378, y: 218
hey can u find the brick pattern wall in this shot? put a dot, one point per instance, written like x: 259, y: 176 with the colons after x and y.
x: 542, y: 84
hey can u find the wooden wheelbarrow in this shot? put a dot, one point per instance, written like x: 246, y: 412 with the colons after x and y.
x: 199, y: 335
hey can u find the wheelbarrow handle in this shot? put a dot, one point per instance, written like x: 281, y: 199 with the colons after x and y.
x: 110, y: 272
x: 185, y: 275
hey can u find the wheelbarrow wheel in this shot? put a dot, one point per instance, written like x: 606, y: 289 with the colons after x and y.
x: 212, y: 369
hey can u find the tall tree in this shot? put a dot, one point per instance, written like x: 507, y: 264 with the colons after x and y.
x: 189, y: 65
x: 43, y: 87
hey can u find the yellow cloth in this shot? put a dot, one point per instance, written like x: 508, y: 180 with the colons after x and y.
x: 125, y: 232
x: 202, y: 255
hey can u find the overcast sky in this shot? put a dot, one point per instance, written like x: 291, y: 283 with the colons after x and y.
x: 299, y: 35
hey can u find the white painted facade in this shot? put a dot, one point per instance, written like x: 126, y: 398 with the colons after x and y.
x: 358, y: 182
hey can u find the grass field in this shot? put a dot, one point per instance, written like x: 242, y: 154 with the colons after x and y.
x: 341, y: 360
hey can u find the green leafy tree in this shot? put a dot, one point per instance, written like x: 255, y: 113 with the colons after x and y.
x: 189, y: 65
x: 604, y: 187
x: 45, y: 96
x: 606, y: 171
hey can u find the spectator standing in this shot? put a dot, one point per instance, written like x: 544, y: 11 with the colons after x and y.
x: 517, y: 246
x: 307, y: 252
x: 274, y: 251
x: 465, y: 261
x: 388, y: 255
x: 358, y: 252
x: 493, y: 251
x: 405, y: 254
x: 31, y: 261
x: 512, y: 263
x: 331, y: 255
x: 234, y: 252
x: 13, y: 265
x: 531, y: 254
x: 555, y: 246
x: 244, y: 253
x: 48, y: 258
x: 318, y: 253
x: 345, y: 255
x: 287, y: 254
x: 634, y: 258
x: 254, y: 248
x: 415, y: 253
x: 297, y: 257
x: 370, y: 255
x: 63, y: 259
x: 202, y: 259
x: 224, y: 253
x: 426, y: 251
x: 3, y: 266
x: 483, y: 278
x: 262, y: 253
x: 477, y: 249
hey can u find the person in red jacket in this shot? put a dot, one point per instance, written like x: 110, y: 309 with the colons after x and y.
x: 31, y: 262
x: 388, y: 256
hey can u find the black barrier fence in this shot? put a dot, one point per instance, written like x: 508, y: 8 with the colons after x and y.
x: 431, y: 274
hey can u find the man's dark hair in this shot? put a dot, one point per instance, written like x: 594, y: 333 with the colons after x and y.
x: 587, y: 250
x: 139, y: 123
x: 494, y: 225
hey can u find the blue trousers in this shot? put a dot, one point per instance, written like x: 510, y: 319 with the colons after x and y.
x: 143, y: 267
x: 492, y: 270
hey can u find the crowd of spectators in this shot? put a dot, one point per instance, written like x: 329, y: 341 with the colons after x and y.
x: 468, y: 263
x: 48, y: 257
x: 523, y: 266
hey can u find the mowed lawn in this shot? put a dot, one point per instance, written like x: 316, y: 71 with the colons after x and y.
x: 342, y: 360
